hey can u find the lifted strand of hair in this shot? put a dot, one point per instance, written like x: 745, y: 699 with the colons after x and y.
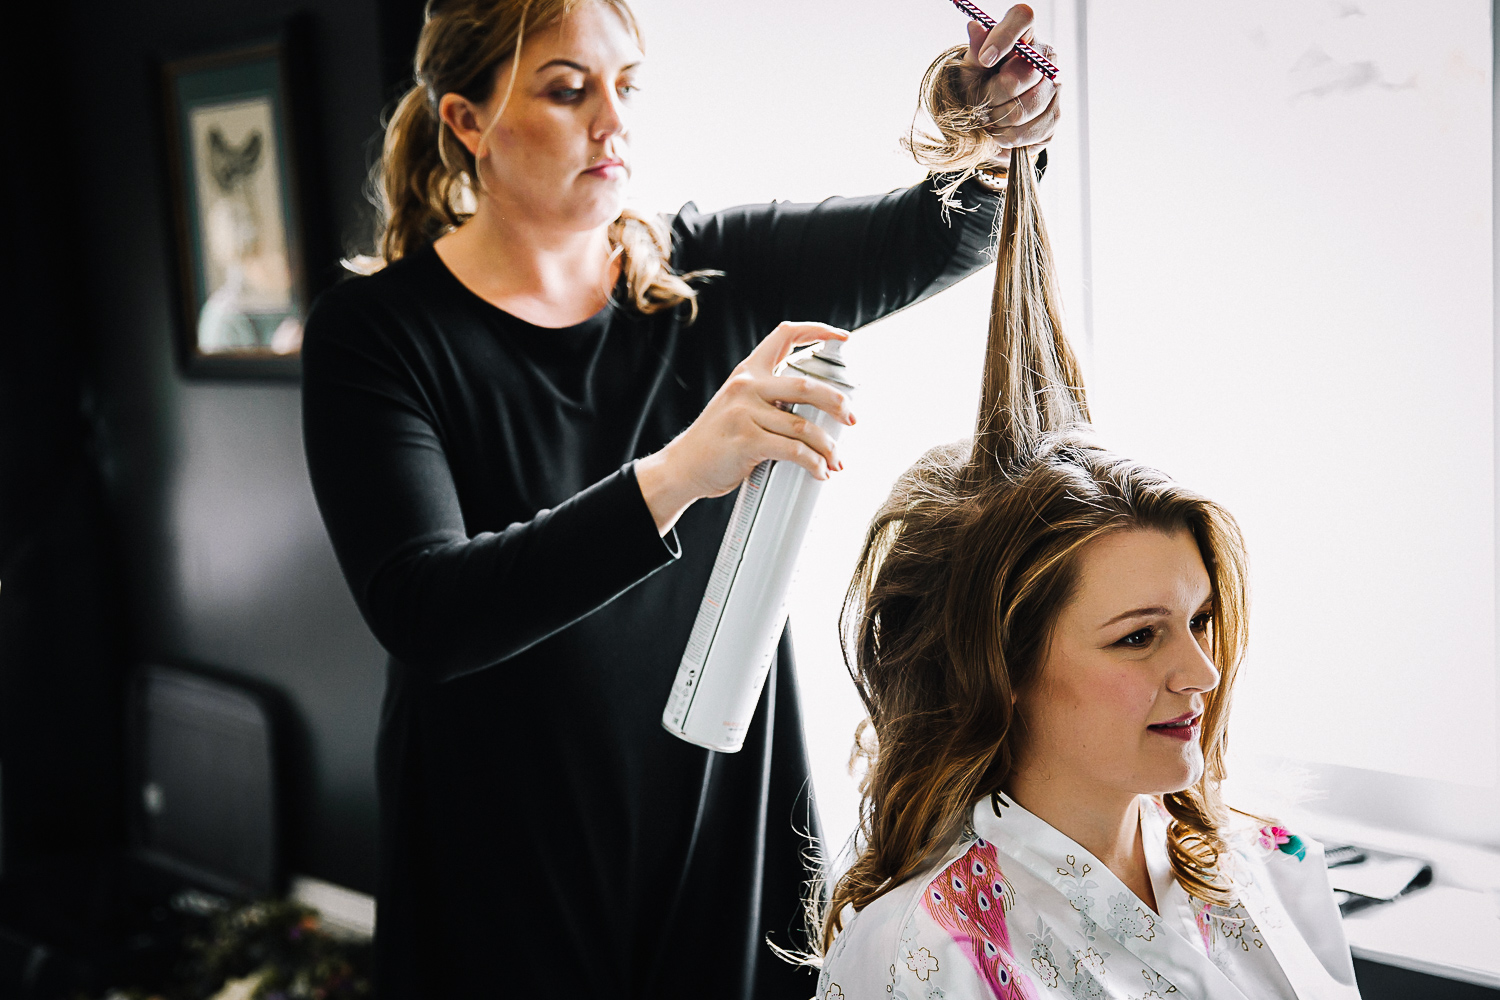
x: 962, y: 145
x: 1033, y: 384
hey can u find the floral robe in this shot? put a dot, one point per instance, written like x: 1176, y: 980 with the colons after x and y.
x: 1017, y: 911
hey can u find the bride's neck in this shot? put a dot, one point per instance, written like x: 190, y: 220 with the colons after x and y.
x: 1103, y: 822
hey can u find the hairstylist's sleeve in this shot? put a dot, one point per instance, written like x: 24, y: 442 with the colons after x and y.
x: 441, y: 601
x: 842, y: 261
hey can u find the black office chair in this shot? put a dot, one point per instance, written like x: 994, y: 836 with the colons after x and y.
x: 207, y: 813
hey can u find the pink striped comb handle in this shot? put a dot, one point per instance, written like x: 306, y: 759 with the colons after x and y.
x: 1042, y: 64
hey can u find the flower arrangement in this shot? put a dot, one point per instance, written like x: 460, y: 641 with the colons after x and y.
x: 265, y: 950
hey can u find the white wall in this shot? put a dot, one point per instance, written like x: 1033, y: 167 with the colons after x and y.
x: 1274, y: 225
x: 1293, y: 313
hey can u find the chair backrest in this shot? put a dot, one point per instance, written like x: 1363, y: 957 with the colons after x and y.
x: 204, y: 780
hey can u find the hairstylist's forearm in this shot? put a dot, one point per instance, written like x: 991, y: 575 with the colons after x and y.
x: 665, y: 492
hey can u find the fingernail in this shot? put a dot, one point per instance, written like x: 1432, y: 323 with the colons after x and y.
x: 852, y: 421
x: 989, y: 56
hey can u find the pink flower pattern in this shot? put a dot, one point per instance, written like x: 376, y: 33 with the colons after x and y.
x: 1272, y: 837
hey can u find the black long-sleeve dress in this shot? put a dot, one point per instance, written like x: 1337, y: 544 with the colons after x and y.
x: 541, y: 834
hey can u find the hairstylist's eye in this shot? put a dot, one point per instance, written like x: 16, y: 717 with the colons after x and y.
x: 1139, y: 639
x: 628, y: 90
x: 567, y: 95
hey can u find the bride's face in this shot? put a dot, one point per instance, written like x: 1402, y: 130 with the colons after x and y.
x: 1116, y: 706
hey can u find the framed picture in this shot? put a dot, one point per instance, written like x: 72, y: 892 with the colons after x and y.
x: 241, y: 264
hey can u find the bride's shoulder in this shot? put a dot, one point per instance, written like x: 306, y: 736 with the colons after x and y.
x: 912, y: 934
x: 871, y: 936
x: 1268, y: 841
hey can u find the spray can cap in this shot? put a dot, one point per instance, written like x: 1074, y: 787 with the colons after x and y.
x: 831, y: 351
x: 825, y: 361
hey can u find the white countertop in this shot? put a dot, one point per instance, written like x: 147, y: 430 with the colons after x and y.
x: 1449, y: 929
x: 1440, y: 930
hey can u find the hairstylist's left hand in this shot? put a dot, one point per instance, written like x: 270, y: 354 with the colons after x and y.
x: 1023, y: 103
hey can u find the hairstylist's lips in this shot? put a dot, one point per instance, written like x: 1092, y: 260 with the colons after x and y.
x: 1184, y: 727
x: 608, y: 169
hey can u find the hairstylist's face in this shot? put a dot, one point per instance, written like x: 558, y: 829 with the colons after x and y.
x: 1116, y: 707
x: 557, y: 155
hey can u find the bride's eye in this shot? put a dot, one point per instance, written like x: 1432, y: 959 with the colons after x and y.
x: 1139, y: 638
x: 1201, y: 622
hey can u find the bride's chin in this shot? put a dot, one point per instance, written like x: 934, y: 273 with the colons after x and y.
x: 1180, y: 778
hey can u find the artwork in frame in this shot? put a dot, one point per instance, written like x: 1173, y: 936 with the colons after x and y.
x: 241, y: 269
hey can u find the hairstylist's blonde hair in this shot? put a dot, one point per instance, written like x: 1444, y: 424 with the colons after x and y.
x: 425, y: 173
x: 968, y: 563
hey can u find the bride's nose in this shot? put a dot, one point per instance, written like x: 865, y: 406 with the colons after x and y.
x: 1192, y: 670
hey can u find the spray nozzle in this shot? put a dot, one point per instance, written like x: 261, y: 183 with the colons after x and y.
x: 831, y: 351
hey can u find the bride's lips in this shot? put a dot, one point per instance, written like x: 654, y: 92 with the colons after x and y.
x: 1184, y: 727
x: 608, y: 169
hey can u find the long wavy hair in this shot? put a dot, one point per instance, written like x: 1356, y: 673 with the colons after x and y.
x: 425, y: 182
x: 968, y: 563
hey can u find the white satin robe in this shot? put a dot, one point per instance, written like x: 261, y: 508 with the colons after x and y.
x: 1017, y: 910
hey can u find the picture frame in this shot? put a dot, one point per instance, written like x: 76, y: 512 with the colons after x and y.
x: 241, y: 255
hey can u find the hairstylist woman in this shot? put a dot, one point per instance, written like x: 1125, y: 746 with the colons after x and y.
x: 514, y: 431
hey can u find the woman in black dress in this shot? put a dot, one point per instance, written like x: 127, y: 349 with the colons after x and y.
x: 514, y: 431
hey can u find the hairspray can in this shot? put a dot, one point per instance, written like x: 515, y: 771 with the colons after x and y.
x: 740, y: 620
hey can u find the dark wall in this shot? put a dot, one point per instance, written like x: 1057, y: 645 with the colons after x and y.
x: 200, y: 505
x: 61, y: 630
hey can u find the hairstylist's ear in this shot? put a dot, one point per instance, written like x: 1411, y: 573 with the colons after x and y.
x: 460, y: 115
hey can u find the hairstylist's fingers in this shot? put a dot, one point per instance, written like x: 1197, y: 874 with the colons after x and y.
x: 977, y: 34
x: 1022, y: 109
x: 1037, y: 132
x: 785, y: 449
x: 1003, y: 37
x: 801, y: 389
x: 1014, y: 77
x: 773, y: 350
x: 789, y: 425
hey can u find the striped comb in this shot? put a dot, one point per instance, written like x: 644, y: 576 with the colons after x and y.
x: 1042, y: 64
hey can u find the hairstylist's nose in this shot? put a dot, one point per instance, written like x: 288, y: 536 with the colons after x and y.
x: 610, y: 120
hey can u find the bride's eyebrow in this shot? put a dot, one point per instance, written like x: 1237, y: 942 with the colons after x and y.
x: 1157, y: 612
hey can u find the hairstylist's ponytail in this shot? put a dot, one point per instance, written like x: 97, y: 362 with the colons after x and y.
x: 416, y: 190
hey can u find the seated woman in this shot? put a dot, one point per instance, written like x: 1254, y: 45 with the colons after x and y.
x: 1046, y: 637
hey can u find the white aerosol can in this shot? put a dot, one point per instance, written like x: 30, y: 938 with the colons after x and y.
x: 744, y: 609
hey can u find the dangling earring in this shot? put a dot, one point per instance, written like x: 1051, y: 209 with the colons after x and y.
x: 465, y: 201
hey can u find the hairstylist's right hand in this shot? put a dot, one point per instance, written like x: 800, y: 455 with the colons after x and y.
x: 743, y: 426
x: 1023, y: 104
